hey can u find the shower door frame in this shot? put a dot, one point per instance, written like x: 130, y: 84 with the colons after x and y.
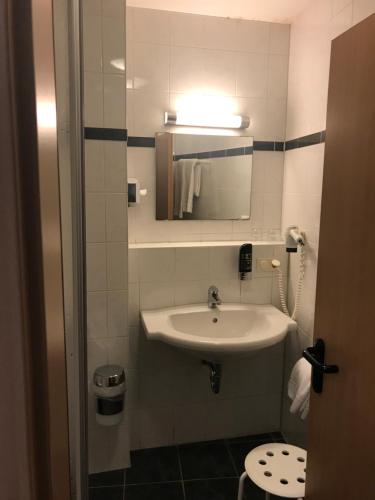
x: 78, y: 363
x: 75, y: 361
x: 49, y: 203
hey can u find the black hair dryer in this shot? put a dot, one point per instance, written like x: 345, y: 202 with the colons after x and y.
x: 245, y: 261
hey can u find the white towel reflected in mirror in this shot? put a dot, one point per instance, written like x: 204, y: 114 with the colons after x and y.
x: 187, y: 185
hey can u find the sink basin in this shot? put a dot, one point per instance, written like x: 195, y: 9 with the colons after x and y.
x: 229, y: 329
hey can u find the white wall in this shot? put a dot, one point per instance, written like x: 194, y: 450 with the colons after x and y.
x: 237, y: 66
x: 240, y: 67
x: 169, y: 398
x: 106, y: 216
x: 310, y: 47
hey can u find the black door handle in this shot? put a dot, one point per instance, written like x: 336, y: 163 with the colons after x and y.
x: 309, y: 355
x: 315, y: 356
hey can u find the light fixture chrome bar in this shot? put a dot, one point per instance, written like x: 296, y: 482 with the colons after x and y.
x: 200, y: 120
x: 170, y: 118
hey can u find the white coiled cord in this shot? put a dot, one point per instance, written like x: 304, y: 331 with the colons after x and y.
x: 301, y: 275
x: 282, y: 292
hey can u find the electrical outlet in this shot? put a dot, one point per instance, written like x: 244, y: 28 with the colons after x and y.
x: 264, y: 265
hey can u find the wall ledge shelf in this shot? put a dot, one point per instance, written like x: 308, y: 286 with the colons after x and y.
x: 197, y: 244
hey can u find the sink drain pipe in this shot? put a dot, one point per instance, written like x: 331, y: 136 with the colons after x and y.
x: 215, y: 375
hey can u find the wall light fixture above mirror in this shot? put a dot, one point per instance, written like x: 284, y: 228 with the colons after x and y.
x: 203, y: 177
x: 201, y: 119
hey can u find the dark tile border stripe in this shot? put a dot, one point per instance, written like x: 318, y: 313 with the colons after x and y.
x: 220, y: 153
x: 268, y: 146
x: 119, y: 134
x: 106, y: 134
x: 306, y: 140
x: 279, y: 146
x: 141, y: 142
x: 149, y: 142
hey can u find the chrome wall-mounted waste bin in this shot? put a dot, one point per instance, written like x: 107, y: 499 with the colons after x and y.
x: 109, y: 385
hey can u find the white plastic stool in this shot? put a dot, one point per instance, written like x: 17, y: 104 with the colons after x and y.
x: 278, y: 469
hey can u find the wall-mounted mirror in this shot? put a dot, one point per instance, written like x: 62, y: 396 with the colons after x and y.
x: 203, y: 177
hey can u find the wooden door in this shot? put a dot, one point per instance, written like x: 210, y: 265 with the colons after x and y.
x: 341, y: 452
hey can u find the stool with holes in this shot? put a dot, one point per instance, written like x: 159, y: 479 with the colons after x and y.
x: 278, y: 469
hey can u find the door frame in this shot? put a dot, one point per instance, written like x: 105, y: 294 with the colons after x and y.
x: 34, y: 418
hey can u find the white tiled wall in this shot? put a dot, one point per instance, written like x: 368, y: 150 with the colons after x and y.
x: 169, y: 397
x: 242, y: 66
x: 172, y: 54
x: 311, y: 35
x: 236, y: 65
x: 265, y: 219
x: 104, y: 63
x: 106, y: 216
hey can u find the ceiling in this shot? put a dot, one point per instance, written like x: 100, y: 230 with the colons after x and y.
x: 282, y: 11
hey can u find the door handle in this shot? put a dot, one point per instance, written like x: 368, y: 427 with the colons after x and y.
x: 309, y: 355
x: 315, y: 356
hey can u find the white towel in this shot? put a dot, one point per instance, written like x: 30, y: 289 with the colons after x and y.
x: 187, y: 184
x: 299, y: 388
x: 177, y: 185
x: 197, y: 179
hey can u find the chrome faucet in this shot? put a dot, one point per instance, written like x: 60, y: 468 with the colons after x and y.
x: 214, y: 299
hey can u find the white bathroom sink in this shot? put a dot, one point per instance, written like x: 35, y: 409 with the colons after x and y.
x: 229, y: 329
